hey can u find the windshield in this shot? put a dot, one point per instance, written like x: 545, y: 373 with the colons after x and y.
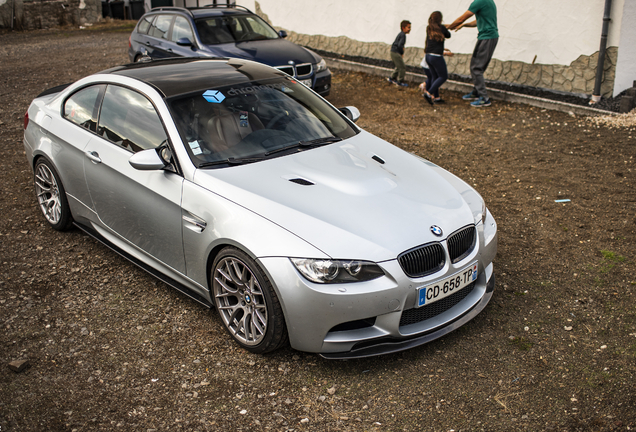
x: 235, y: 28
x: 253, y: 121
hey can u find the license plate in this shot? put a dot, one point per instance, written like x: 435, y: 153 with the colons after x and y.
x: 307, y: 82
x: 445, y: 287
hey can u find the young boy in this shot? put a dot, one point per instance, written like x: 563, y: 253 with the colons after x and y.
x: 397, y: 55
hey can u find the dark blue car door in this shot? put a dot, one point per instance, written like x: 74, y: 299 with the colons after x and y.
x: 182, y: 31
x: 158, y: 42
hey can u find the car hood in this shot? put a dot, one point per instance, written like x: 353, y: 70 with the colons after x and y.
x: 344, y: 201
x: 272, y: 52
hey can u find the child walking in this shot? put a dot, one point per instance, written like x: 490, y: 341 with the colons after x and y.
x: 436, y: 34
x: 397, y: 55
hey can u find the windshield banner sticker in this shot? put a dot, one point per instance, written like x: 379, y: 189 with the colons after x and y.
x: 253, y: 89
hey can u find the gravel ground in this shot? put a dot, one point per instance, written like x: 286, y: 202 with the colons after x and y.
x: 107, y: 347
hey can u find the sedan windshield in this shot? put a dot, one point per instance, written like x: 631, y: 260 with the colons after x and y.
x: 253, y: 121
x: 235, y: 28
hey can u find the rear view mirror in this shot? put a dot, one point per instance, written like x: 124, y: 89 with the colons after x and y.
x: 282, y: 34
x: 147, y: 160
x: 351, y: 112
x: 184, y: 41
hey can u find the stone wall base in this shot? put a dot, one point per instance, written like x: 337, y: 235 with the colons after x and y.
x: 579, y: 77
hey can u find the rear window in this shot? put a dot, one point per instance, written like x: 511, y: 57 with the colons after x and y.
x: 161, y: 27
x: 144, y: 24
x: 81, y: 107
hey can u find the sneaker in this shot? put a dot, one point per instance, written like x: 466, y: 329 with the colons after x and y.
x: 391, y: 80
x: 439, y: 101
x: 481, y: 102
x: 470, y: 96
x: 428, y: 98
x: 402, y: 84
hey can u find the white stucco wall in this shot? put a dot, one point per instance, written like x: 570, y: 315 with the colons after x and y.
x: 555, y: 31
x: 626, y: 64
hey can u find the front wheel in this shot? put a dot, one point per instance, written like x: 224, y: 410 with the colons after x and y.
x: 51, y: 196
x: 247, y: 303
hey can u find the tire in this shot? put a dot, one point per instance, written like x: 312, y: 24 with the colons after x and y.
x: 247, y: 303
x: 51, y: 196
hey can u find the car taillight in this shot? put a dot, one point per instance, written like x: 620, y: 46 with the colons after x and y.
x: 129, y: 42
x: 26, y: 120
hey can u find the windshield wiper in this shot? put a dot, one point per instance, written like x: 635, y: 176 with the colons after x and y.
x: 306, y: 144
x: 231, y: 161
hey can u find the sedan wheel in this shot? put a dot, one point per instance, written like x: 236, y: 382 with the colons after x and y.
x: 51, y: 196
x: 247, y: 302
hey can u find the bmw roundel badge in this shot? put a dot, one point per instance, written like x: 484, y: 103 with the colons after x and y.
x: 436, y: 230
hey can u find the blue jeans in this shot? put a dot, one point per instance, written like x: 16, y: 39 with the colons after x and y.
x: 439, y: 73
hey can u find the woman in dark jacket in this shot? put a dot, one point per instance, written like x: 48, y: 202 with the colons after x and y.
x: 436, y: 34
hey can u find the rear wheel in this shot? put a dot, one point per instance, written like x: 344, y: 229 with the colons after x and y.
x: 51, y: 196
x: 247, y: 303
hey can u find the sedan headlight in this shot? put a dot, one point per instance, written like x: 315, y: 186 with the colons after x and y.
x: 321, y: 66
x: 337, y: 271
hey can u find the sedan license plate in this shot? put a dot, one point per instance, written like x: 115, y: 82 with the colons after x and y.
x: 445, y: 287
x: 307, y: 82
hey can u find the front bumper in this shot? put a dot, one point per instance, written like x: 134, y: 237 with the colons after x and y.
x: 364, y: 319
x: 322, y: 83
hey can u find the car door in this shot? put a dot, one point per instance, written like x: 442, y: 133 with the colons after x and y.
x: 181, y: 30
x: 158, y: 42
x: 142, y: 207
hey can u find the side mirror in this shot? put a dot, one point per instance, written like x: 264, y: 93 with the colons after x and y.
x: 148, y: 160
x: 184, y: 41
x: 282, y: 34
x: 351, y: 112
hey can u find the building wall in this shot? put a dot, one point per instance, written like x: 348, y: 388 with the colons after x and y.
x: 543, y: 43
x: 40, y: 14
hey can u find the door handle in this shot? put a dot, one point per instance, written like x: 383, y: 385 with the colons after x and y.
x: 93, y: 156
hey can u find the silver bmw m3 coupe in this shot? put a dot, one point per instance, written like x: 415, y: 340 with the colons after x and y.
x: 244, y: 189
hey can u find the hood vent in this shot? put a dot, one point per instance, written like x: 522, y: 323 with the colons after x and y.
x: 302, y: 181
x: 378, y: 159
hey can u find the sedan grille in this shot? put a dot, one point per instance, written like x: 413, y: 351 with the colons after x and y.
x: 422, y: 260
x: 416, y: 315
x: 461, y: 243
x: 303, y: 69
x: 289, y: 70
x: 300, y: 70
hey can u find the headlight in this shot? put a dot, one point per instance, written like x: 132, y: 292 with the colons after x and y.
x: 337, y: 271
x: 321, y: 66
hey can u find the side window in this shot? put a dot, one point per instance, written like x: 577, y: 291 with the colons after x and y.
x: 181, y: 29
x: 161, y: 27
x: 144, y: 24
x: 81, y: 107
x: 129, y: 120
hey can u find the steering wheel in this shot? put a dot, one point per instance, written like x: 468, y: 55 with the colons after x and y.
x: 276, y: 119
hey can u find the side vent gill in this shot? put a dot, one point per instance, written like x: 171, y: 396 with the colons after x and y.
x: 302, y: 181
x: 378, y: 159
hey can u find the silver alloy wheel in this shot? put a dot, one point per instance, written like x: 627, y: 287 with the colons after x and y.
x: 240, y: 301
x: 48, y: 193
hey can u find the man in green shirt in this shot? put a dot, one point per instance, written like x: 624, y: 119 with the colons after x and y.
x: 485, y: 12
